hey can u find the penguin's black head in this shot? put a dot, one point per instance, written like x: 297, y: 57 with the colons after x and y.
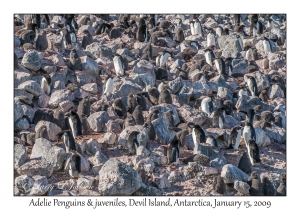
x: 254, y: 175
x: 156, y: 111
x: 86, y: 32
x: 250, y: 112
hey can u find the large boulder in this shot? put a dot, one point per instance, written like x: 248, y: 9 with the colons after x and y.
x: 18, y: 111
x: 20, y: 77
x: 89, y: 66
x: 20, y: 155
x: 32, y: 87
x: 175, y: 85
x: 97, y: 50
x: 142, y: 136
x: 145, y: 190
x: 241, y: 187
x: 262, y: 139
x: 28, y: 111
x: 40, y: 185
x: 245, y: 103
x: 24, y: 183
x: 52, y: 129
x: 230, y: 42
x: 21, y: 124
x: 275, y: 92
x: 143, y: 74
x: 276, y: 133
x: 189, y: 114
x: 161, y: 126
x: 130, y: 56
x: 98, y: 120
x: 36, y: 166
x: 91, y: 29
x: 230, y: 173
x: 128, y: 86
x: 117, y: 179
x: 276, y: 61
x: 60, y: 96
x: 31, y: 60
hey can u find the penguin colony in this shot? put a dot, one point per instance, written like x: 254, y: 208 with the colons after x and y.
x: 170, y: 90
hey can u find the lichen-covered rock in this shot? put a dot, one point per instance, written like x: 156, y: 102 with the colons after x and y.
x: 241, y: 187
x: 189, y: 114
x: 117, y: 178
x: 89, y: 66
x: 161, y: 126
x: 20, y: 156
x: 36, y: 166
x: 24, y: 183
x: 98, y: 159
x: 230, y: 42
x: 32, y: 87
x: 145, y: 190
x: 275, y: 92
x: 98, y: 120
x: 230, y: 173
x: 31, y: 60
x: 40, y: 185
x: 59, y: 96
x: 143, y: 74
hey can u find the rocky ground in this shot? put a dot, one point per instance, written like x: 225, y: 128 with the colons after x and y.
x: 106, y: 167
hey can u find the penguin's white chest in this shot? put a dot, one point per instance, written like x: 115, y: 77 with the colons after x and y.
x: 164, y: 58
x: 211, y: 40
x: 45, y: 86
x: 192, y: 28
x: 66, y: 142
x: 208, y: 58
x: 219, y: 31
x: 205, y: 106
x: 72, y: 128
x: 221, y: 124
x: 73, y: 37
x: 118, y: 66
x: 247, y: 134
x: 249, y: 55
x: 238, y: 139
x: 157, y: 60
x: 109, y: 86
x: 217, y: 66
x: 267, y: 47
x: 197, y: 29
x: 229, y: 71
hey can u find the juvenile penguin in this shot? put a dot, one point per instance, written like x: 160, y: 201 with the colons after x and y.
x: 211, y: 140
x: 161, y: 86
x: 196, y: 27
x: 141, y: 101
x: 132, y: 142
x: 153, y: 95
x: 75, y: 61
x: 87, y: 39
x: 129, y: 121
x: 245, y: 164
x: 179, y: 36
x: 161, y: 74
x: 109, y: 85
x: 138, y: 115
x: 209, y: 56
x: 73, y: 163
x: 169, y: 117
x: 267, y: 46
x: 219, y: 184
x: 218, y: 119
x: 278, y: 121
x: 235, y: 137
x: 207, y: 106
x: 153, y: 115
x: 281, y: 190
x: 181, y: 136
x: 211, y: 39
x: 142, y: 34
x: 173, y: 151
x: 253, y: 151
x: 131, y: 103
x: 41, y: 43
x: 73, y: 123
x: 228, y: 64
x: 255, y: 185
x: 251, y: 82
x: 46, y: 84
x: 228, y: 106
x: 150, y: 129
x: 84, y: 106
x: 42, y: 133
x: 84, y: 124
x: 119, y: 108
x: 120, y: 64
x: 165, y: 96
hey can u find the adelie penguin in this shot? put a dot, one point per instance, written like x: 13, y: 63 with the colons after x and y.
x: 101, y: 28
x: 119, y: 65
x: 73, y: 163
x: 267, y: 46
x: 42, y: 133
x: 161, y: 58
x: 169, y: 117
x: 209, y: 55
x: 220, y: 66
x: 131, y: 103
x: 198, y: 136
x: 87, y: 39
x: 119, y: 107
x: 219, y: 118
x: 181, y: 136
x: 207, y: 105
x: 150, y: 129
x: 153, y: 95
x: 173, y: 151
x: 179, y: 36
x: 211, y: 39
x: 109, y: 85
x: 132, y: 142
x: 219, y: 31
x: 141, y: 101
x: 251, y: 82
x: 235, y: 137
x: 165, y: 96
x: 46, y: 84
x: 68, y: 140
x: 129, y: 121
x: 41, y: 43
x: 142, y: 33
x: 138, y: 115
x: 75, y: 61
x: 196, y: 27
x: 153, y: 115
x: 73, y: 123
x: 228, y: 65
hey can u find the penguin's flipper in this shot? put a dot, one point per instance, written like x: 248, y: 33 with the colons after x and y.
x: 78, y: 163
